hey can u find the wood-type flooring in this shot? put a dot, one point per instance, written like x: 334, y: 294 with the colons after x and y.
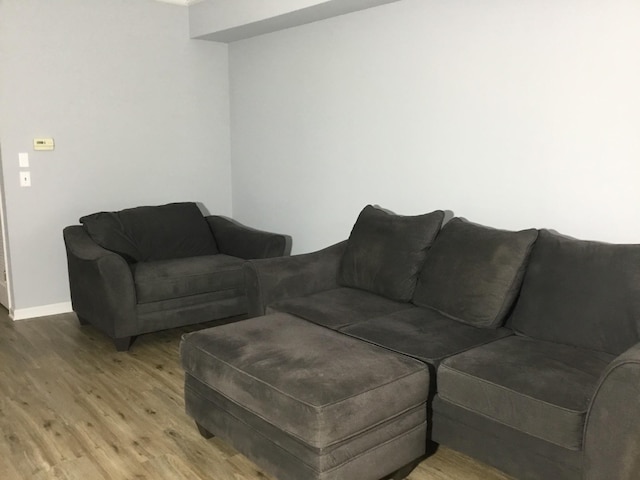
x: 73, y: 408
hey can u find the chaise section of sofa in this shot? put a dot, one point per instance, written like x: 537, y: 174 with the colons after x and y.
x: 150, y: 268
x: 577, y: 315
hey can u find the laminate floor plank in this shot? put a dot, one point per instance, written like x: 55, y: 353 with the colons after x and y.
x: 73, y: 408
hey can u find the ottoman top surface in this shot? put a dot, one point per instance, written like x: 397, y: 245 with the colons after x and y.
x: 316, y: 384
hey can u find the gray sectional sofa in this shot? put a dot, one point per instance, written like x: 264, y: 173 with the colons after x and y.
x: 531, y: 338
x: 149, y: 268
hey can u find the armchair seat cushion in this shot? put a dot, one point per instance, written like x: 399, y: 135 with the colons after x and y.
x: 540, y: 388
x: 338, y: 307
x: 183, y: 277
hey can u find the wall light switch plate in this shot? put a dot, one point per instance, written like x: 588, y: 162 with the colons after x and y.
x: 23, y: 160
x: 25, y: 179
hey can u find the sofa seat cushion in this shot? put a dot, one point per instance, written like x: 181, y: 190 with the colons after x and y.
x: 385, y: 252
x: 423, y: 333
x: 183, y: 277
x: 473, y: 273
x: 581, y: 293
x: 140, y: 234
x: 338, y: 307
x: 540, y: 388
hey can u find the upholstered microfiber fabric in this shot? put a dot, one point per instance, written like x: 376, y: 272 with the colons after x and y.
x: 338, y: 307
x: 612, y: 432
x: 313, y: 383
x: 423, y: 333
x: 540, y: 388
x: 202, y: 400
x: 175, y: 230
x: 512, y: 451
x: 366, y: 455
x: 473, y: 273
x: 274, y: 279
x: 581, y: 293
x: 185, y: 277
x: 385, y: 251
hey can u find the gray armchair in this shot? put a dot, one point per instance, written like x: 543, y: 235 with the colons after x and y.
x: 146, y: 269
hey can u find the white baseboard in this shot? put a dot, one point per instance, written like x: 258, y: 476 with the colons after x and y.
x: 42, y: 311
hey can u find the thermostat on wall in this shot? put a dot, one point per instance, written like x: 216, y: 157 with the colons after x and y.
x: 43, y: 144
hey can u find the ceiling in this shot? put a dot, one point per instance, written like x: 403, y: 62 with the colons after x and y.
x: 231, y: 20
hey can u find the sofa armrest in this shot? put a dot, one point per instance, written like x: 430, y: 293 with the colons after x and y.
x: 102, y: 288
x: 248, y: 243
x: 270, y: 280
x: 612, y: 426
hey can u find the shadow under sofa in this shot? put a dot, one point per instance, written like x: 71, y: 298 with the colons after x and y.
x: 531, y: 337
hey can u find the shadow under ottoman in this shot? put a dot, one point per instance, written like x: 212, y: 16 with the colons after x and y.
x: 304, y: 402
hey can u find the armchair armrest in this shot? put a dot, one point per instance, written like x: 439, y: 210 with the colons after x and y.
x: 274, y: 279
x: 102, y: 288
x: 244, y: 242
x: 612, y: 426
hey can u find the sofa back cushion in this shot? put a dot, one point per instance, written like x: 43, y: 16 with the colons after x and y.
x: 385, y: 252
x: 581, y: 293
x: 473, y: 273
x: 176, y: 230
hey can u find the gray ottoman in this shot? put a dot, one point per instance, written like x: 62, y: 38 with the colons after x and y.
x: 304, y: 402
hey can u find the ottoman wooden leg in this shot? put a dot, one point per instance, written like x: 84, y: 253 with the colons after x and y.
x: 204, y: 432
x: 404, y: 472
x: 123, y: 343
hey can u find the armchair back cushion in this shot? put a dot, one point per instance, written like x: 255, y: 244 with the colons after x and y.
x: 473, y: 273
x: 581, y: 293
x: 175, y: 230
x: 385, y: 252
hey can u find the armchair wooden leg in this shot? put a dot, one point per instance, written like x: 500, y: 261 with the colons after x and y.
x: 204, y: 432
x: 123, y: 343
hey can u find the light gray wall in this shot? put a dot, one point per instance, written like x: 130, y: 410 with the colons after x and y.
x: 139, y: 113
x: 512, y: 114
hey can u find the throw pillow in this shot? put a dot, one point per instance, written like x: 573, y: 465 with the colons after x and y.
x: 175, y: 230
x: 384, y: 252
x: 473, y: 273
x: 106, y: 229
x: 581, y: 293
